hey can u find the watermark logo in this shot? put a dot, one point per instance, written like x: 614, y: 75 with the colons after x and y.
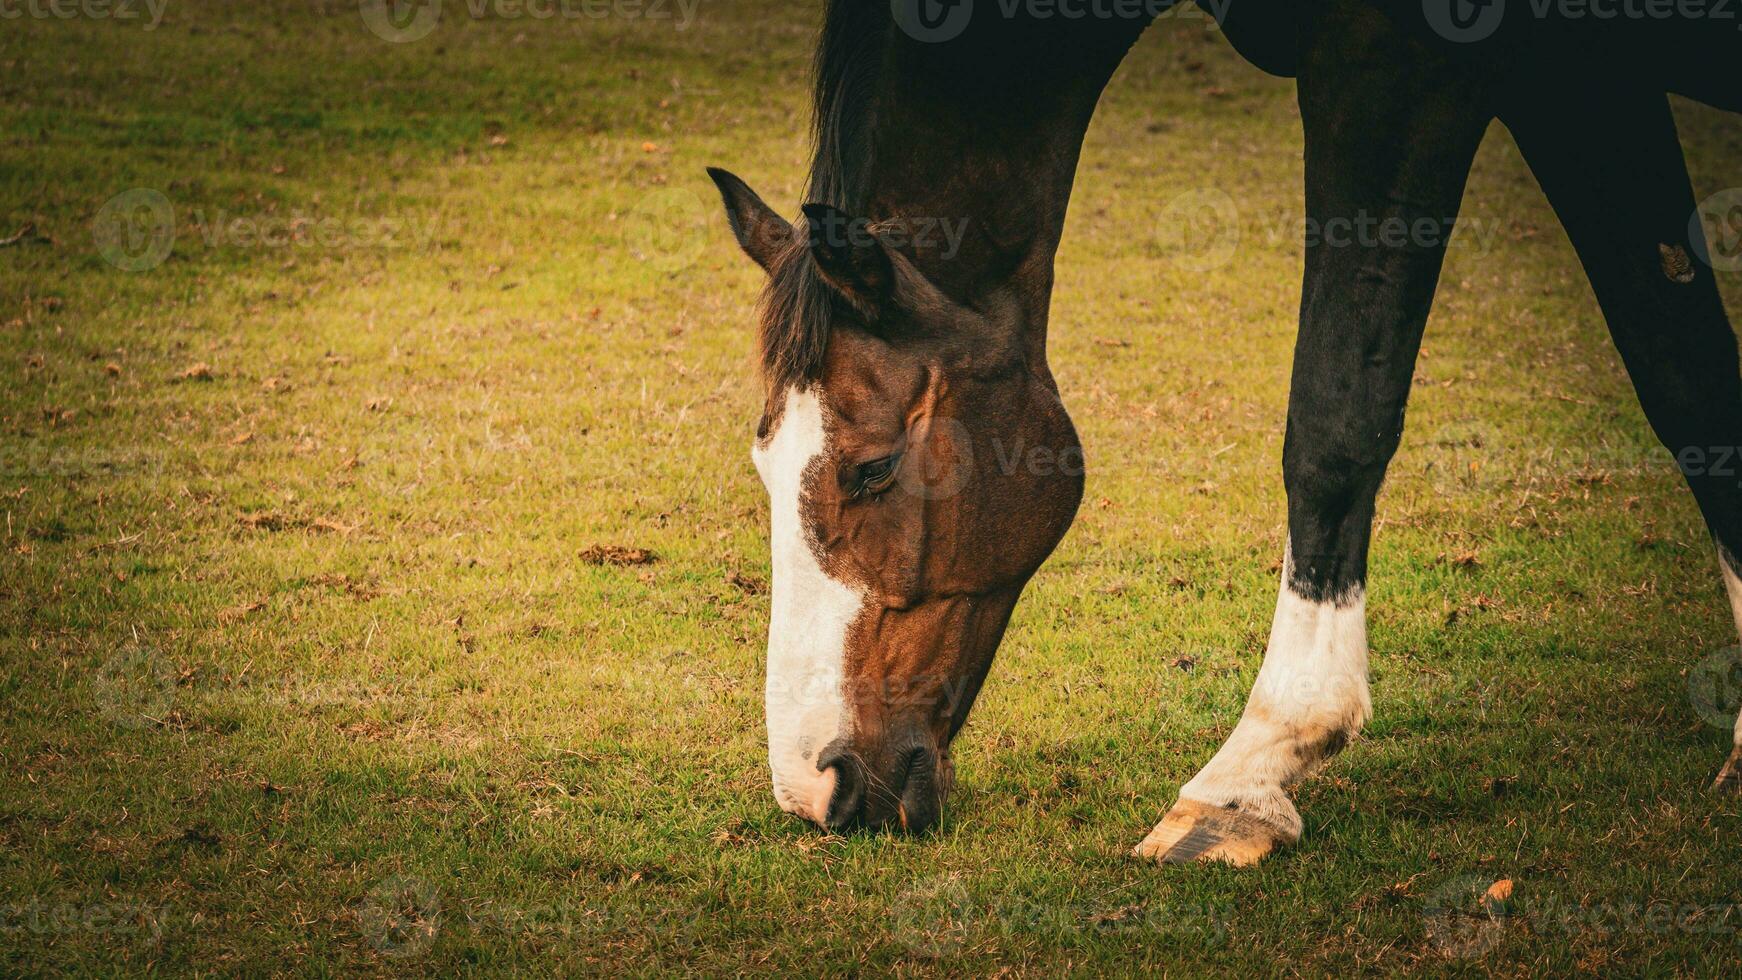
x: 1466, y: 916
x: 1460, y: 450
x: 1716, y: 230
x: 946, y: 465
x: 135, y: 230
x: 1464, y: 21
x: 933, y: 917
x: 1200, y: 229
x: 1714, y: 687
x: 667, y: 229
x: 400, y: 916
x: 401, y: 21
x: 932, y: 20
x: 135, y: 687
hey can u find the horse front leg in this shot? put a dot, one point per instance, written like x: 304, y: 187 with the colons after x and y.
x: 1390, y: 134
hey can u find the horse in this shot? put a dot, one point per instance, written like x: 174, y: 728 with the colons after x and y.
x: 920, y: 463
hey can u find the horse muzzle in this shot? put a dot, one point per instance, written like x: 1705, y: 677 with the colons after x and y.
x: 899, y: 788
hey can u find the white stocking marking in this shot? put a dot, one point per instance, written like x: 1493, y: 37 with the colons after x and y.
x: 1310, y: 696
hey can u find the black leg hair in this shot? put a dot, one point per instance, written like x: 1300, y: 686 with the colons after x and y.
x: 1626, y: 205
x: 1390, y: 134
x: 1388, y: 149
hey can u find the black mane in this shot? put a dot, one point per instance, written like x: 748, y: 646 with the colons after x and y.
x: 798, y: 305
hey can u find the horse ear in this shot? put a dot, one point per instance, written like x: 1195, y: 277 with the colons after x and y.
x: 850, y: 257
x: 761, y: 233
x: 863, y: 268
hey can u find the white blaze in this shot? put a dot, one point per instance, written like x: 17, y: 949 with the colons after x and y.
x: 807, y: 631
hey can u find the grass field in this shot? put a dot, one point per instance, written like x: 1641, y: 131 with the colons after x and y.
x: 307, y: 663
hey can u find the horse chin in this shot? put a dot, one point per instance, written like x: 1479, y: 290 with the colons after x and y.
x: 807, y: 798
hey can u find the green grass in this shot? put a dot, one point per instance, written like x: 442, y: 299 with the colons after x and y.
x: 301, y: 670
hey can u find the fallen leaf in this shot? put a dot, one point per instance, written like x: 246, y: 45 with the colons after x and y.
x: 1117, y: 915
x: 346, y: 584
x: 1461, y: 559
x: 616, y: 554
x: 327, y: 524
x: 198, y: 371
x: 265, y: 520
x: 237, y: 612
x: 368, y: 731
x: 1497, y: 895
x: 751, y: 586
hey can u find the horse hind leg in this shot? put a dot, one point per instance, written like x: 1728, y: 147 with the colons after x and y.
x: 1612, y: 167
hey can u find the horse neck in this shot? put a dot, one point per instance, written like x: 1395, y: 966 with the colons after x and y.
x: 979, y: 141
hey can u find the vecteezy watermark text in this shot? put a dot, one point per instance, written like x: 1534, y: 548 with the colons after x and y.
x: 135, y: 231
x: 1468, y: 21
x: 402, y: 21
x: 125, y: 11
x: 920, y: 231
x: 41, y: 918
x: 219, y: 229
x: 943, y: 20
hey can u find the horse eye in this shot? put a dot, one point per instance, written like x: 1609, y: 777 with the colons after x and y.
x: 877, y: 475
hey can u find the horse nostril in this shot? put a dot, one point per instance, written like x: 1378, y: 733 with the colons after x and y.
x: 916, y: 766
x: 849, y: 795
x: 921, y: 801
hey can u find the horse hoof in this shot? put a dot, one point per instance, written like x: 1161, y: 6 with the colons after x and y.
x: 1194, y: 831
x: 1730, y: 777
